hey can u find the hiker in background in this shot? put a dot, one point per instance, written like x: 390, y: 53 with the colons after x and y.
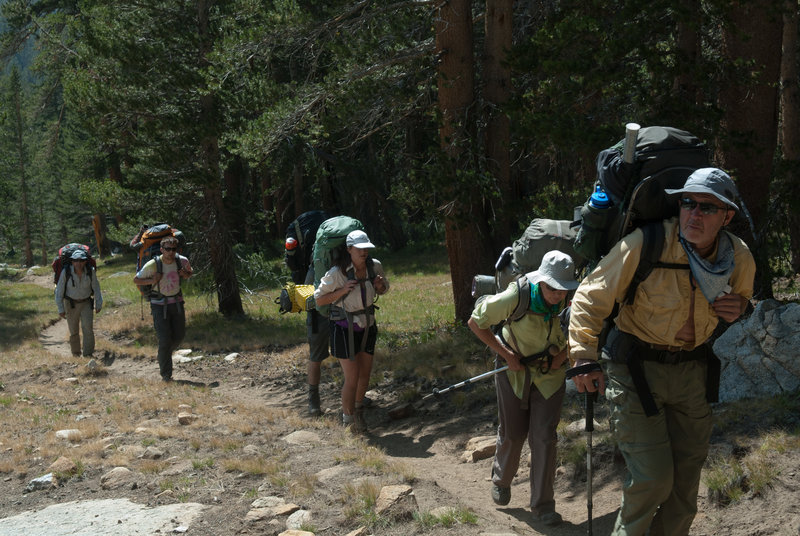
x: 351, y: 289
x: 529, y: 396
x: 136, y: 241
x: 658, y: 356
x: 77, y: 291
x: 164, y: 274
x: 300, y: 238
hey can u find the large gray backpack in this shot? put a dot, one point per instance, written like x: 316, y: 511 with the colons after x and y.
x: 524, y: 256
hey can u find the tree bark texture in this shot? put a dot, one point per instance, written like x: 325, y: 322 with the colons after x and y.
x: 790, y: 125
x: 496, y: 92
x: 21, y: 165
x: 217, y: 230
x: 463, y: 220
x: 748, y: 144
x: 101, y: 235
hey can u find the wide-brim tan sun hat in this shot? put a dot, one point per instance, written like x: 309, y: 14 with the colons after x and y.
x: 557, y: 270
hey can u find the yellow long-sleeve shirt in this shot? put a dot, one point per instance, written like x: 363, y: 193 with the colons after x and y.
x: 532, y: 333
x: 662, y: 301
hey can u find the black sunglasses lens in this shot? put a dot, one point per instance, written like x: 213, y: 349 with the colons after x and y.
x: 705, y: 208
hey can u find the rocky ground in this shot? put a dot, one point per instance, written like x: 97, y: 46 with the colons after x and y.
x: 421, y: 447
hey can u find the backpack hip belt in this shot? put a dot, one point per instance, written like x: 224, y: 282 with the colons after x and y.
x: 73, y: 301
x: 368, y: 310
x: 543, y: 358
x: 639, y: 351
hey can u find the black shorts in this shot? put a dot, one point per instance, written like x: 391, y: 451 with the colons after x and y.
x: 340, y: 338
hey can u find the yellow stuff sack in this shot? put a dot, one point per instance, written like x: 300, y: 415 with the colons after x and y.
x: 295, y: 298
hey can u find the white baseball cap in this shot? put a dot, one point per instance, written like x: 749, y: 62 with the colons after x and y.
x: 359, y: 239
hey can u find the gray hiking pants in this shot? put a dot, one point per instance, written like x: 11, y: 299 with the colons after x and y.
x: 538, y: 425
x: 170, y: 328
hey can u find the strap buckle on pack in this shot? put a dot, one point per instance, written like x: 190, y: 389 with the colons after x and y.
x: 670, y: 355
x: 639, y: 351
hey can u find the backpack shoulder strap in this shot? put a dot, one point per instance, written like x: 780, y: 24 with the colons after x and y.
x: 524, y: 301
x: 652, y: 246
x: 370, y: 269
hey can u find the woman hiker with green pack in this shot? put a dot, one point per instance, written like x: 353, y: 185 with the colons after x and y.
x: 351, y: 287
x: 529, y: 396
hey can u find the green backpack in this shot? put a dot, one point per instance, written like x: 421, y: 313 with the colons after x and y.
x: 328, y: 247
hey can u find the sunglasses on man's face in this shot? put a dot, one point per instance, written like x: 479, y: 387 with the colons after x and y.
x: 165, y: 248
x: 706, y: 208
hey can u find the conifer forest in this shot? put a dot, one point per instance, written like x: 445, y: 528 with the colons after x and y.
x: 450, y: 122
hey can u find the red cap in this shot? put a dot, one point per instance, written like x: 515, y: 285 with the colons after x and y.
x: 291, y: 243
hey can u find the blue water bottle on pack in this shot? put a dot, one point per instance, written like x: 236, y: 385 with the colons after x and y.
x: 599, y: 199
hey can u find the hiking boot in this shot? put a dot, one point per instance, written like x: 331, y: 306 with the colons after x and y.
x: 348, y: 421
x: 359, y: 424
x: 313, y: 403
x: 501, y: 495
x: 551, y: 519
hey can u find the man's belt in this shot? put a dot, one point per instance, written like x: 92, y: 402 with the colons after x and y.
x: 636, y: 351
x: 670, y: 355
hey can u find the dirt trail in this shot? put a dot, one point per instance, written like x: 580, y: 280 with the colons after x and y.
x: 431, y: 441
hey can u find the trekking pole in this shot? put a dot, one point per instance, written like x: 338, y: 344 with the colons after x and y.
x: 588, y: 428
x: 552, y: 350
x: 437, y: 392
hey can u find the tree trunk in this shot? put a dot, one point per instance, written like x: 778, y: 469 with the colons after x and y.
x: 790, y: 125
x: 19, y: 129
x: 465, y: 245
x: 235, y: 190
x: 217, y: 230
x: 748, y: 145
x: 297, y: 185
x: 101, y: 235
x: 496, y: 92
x: 688, y: 44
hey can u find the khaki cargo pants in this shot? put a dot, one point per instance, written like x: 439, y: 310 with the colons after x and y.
x: 80, y: 319
x: 664, y: 453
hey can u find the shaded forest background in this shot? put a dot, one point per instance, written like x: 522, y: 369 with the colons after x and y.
x: 431, y: 121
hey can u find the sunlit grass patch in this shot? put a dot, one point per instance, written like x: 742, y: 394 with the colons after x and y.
x: 252, y: 465
x: 25, y: 309
x: 359, y: 501
x: 302, y: 485
x: 446, y: 517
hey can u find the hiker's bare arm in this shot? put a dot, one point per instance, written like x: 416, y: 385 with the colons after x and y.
x: 729, y: 307
x: 186, y: 271
x: 338, y: 294
x: 559, y: 358
x: 152, y: 280
x: 487, y: 337
x: 590, y: 382
x: 380, y: 284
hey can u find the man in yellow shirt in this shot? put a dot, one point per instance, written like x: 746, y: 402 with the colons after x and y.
x: 657, y: 356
